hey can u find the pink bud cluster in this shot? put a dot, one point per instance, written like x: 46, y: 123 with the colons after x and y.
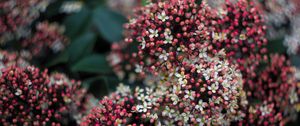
x: 47, y: 38
x: 30, y: 96
x: 272, y: 93
x: 168, y: 31
x: 17, y: 16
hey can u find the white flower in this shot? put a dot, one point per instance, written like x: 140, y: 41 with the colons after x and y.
x: 143, y: 44
x: 132, y: 21
x: 199, y: 68
x: 168, y: 39
x: 202, y: 53
x: 123, y: 90
x: 206, y: 74
x: 214, y: 87
x: 201, y: 121
x: 176, y: 88
x: 18, y: 92
x: 138, y: 68
x: 189, y: 94
x: 200, y: 105
x: 142, y: 108
x: 226, y: 95
x: 141, y: 97
x: 71, y: 6
x: 225, y: 83
x: 153, y: 33
x: 175, y: 99
x: 293, y: 96
x: 265, y: 110
x: 163, y: 17
x: 219, y: 36
x: 181, y: 79
x: 115, y: 59
x: 57, y: 46
x: 164, y: 55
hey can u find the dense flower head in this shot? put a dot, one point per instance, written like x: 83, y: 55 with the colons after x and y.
x: 205, y: 90
x: 17, y: 16
x: 187, y: 52
x: 30, y: 96
x: 272, y: 92
x: 168, y: 31
x: 48, y: 37
x: 112, y: 110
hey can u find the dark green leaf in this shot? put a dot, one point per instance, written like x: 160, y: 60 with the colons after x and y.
x: 61, y: 58
x: 276, y: 46
x: 92, y: 64
x: 77, y: 23
x: 109, y: 23
x: 81, y: 46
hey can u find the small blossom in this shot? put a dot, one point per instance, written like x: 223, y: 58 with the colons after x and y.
x: 153, y: 33
x: 163, y: 17
x: 213, y: 87
x: 164, y: 56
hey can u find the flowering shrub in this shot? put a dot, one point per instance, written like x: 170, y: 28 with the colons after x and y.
x: 32, y: 97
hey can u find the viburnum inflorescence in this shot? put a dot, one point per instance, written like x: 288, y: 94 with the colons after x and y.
x: 206, y: 90
x: 32, y: 97
x: 170, y: 30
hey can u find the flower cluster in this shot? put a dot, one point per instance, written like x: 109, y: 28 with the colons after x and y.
x: 47, y: 38
x: 17, y: 16
x: 272, y: 92
x: 207, y: 64
x: 32, y: 97
x: 206, y: 90
x: 168, y: 31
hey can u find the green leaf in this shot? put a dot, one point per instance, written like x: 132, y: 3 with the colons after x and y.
x: 78, y: 22
x: 81, y: 46
x: 93, y: 64
x: 61, y: 58
x: 276, y: 46
x: 53, y: 9
x: 145, y: 2
x: 108, y: 23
